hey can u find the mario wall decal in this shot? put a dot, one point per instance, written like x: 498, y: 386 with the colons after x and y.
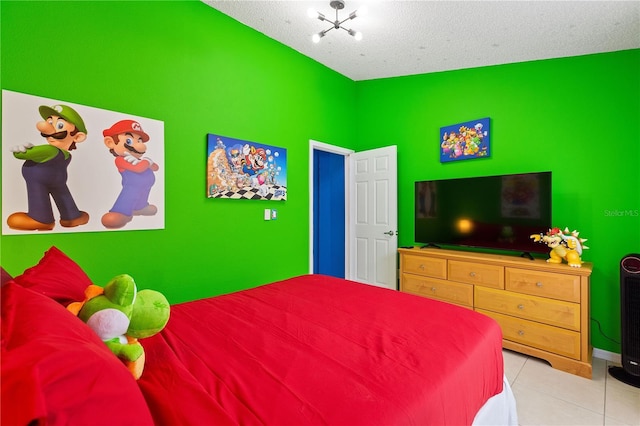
x: 45, y: 171
x: 44, y: 191
x: 127, y: 142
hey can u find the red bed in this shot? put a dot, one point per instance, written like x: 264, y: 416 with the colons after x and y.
x: 307, y: 350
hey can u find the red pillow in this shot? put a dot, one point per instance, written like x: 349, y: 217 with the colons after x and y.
x: 56, y: 276
x: 56, y: 370
x: 5, y: 277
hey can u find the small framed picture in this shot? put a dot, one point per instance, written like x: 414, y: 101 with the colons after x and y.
x: 465, y: 141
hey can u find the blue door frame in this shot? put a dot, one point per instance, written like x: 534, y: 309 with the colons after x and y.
x: 328, y: 213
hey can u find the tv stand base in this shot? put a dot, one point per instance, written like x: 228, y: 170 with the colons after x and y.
x: 430, y: 245
x: 527, y: 255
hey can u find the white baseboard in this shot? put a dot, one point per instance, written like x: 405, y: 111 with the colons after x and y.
x: 606, y: 355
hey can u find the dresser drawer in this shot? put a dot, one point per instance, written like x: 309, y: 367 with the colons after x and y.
x: 545, y: 337
x: 427, y: 266
x: 544, y: 284
x: 460, y: 294
x: 476, y: 273
x: 547, y: 311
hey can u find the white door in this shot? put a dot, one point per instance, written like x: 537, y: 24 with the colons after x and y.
x: 374, y: 217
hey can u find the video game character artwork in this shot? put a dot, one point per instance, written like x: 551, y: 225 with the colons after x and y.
x: 520, y: 195
x: 75, y: 168
x: 465, y: 141
x: 239, y: 169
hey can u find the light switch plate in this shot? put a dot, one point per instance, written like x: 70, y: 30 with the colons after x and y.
x: 267, y: 214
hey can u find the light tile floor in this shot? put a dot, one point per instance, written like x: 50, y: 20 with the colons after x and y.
x: 546, y: 396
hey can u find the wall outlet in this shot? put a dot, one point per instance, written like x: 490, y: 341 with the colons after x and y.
x: 274, y: 214
x: 267, y: 214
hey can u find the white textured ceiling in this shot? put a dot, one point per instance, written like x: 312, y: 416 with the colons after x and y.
x: 415, y: 37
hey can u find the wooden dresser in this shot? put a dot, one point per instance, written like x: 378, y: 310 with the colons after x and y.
x: 543, y: 308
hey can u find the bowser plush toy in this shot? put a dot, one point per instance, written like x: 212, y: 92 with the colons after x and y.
x: 564, y: 245
x: 121, y: 315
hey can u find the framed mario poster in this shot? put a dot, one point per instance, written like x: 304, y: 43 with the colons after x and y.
x: 74, y: 168
x: 243, y: 170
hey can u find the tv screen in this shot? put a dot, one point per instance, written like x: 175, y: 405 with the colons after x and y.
x: 494, y: 212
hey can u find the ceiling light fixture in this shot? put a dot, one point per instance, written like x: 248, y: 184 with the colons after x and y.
x: 337, y: 24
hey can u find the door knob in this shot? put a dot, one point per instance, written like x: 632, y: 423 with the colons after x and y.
x: 388, y: 233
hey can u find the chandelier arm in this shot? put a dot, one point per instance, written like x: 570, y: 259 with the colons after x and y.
x: 343, y: 21
x: 321, y: 34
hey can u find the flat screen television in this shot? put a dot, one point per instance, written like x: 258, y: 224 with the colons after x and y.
x: 493, y: 212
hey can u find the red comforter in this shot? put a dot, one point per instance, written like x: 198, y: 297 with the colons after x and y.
x: 321, y: 350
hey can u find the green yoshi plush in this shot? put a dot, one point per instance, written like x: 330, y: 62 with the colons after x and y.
x: 121, y: 315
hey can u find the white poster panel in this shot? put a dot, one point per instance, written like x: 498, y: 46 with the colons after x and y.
x: 75, y: 168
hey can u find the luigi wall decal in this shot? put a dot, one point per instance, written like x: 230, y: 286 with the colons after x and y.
x: 45, y: 171
x: 127, y: 142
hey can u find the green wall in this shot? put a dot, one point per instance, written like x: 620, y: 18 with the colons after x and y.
x: 201, y: 72
x: 578, y: 117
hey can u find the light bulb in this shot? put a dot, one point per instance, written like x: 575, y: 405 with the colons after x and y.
x: 316, y: 38
x: 312, y: 13
x: 355, y: 34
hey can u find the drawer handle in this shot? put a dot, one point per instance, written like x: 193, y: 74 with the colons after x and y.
x: 539, y: 284
x: 521, y: 306
x: 473, y: 274
x: 433, y: 289
x: 520, y: 333
x: 421, y: 266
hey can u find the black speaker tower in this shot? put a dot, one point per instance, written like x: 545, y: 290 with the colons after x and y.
x: 629, y: 373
